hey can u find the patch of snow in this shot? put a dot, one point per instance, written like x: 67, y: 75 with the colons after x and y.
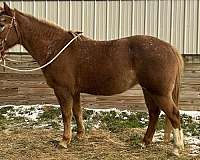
x: 193, y: 142
x: 195, y: 150
x: 158, y: 136
x: 97, y: 125
x: 41, y: 126
x: 6, y: 106
x: 109, y: 110
x: 32, y: 110
x: 189, y: 113
x: 125, y: 118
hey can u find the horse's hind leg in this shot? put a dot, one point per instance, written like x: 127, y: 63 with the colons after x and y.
x: 168, y: 130
x: 65, y: 100
x: 167, y: 104
x: 78, y: 116
x: 154, y: 112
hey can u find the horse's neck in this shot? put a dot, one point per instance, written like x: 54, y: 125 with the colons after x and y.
x: 38, y: 38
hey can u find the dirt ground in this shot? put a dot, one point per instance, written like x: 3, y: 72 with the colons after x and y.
x: 41, y: 144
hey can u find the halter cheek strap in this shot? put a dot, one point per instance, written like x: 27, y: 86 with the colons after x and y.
x: 3, y: 41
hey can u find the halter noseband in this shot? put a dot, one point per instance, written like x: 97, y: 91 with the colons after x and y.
x: 3, y: 41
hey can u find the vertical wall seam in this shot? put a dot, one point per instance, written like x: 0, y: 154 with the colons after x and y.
x: 21, y: 47
x: 184, y: 32
x: 107, y: 18
x: 70, y: 15
x: 119, y: 20
x: 145, y: 17
x: 171, y: 21
x: 132, y: 18
x: 11, y: 3
x: 198, y: 16
x: 22, y: 8
x: 94, y: 19
x: 46, y: 10
x: 191, y: 27
x: 82, y: 17
x: 34, y: 8
x: 58, y: 11
x: 158, y: 19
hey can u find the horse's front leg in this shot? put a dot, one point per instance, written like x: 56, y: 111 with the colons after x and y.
x: 66, y: 102
x: 77, y: 111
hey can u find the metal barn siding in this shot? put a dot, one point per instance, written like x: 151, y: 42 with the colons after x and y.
x: 175, y: 21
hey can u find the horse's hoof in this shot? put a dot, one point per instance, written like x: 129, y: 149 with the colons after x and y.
x: 142, y: 145
x: 182, y: 147
x: 81, y: 138
x: 167, y: 141
x: 63, y: 144
x: 176, y: 152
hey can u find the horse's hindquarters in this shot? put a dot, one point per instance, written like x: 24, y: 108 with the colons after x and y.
x: 155, y: 64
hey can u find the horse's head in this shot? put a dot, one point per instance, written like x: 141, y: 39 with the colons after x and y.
x: 9, y: 35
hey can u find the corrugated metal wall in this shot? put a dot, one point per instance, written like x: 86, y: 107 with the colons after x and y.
x: 175, y: 21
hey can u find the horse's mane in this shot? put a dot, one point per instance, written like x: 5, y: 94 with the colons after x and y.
x: 46, y: 28
x: 50, y: 29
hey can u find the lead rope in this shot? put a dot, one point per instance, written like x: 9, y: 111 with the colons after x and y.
x: 17, y: 61
x: 43, y: 66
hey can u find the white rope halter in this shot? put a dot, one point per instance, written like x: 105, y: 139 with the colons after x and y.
x: 43, y: 66
x: 18, y: 61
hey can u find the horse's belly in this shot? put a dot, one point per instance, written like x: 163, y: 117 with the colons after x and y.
x: 109, y: 85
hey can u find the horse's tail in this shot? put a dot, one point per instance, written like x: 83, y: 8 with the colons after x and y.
x: 176, y: 90
x: 175, y: 93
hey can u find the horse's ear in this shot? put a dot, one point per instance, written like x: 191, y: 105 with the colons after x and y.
x: 7, y: 9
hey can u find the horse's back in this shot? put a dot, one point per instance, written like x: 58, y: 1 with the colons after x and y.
x: 111, y: 67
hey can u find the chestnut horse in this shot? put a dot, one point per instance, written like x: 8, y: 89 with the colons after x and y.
x: 99, y: 68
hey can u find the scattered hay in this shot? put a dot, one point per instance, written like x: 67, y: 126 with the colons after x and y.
x: 40, y: 144
x: 34, y: 132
